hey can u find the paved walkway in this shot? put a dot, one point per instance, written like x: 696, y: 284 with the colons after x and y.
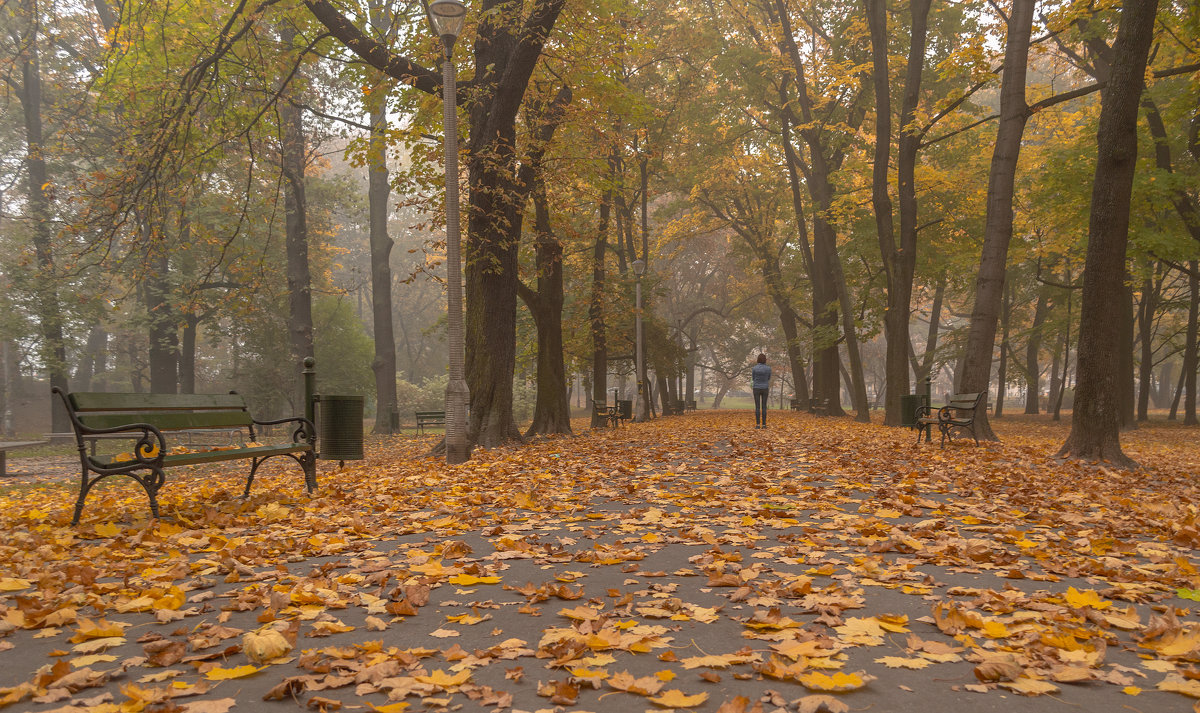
x: 691, y: 563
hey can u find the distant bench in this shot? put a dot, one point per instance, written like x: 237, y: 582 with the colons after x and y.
x: 6, y: 446
x: 430, y: 418
x: 957, y: 414
x: 142, y: 419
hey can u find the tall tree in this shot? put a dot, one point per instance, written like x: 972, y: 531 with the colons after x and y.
x: 998, y: 223
x: 507, y: 46
x: 899, y: 258
x: 26, y: 36
x: 378, y: 191
x: 1095, y: 421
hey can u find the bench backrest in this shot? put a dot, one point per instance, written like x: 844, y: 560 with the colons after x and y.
x: 166, y: 412
x: 965, y: 402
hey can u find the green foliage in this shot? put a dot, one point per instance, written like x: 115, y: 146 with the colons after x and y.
x: 343, y: 349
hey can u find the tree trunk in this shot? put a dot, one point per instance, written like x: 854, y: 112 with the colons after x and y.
x: 1190, y: 347
x: 292, y: 164
x: 998, y: 223
x: 795, y: 357
x: 1033, y: 348
x: 1095, y: 419
x: 1161, y: 395
x: 378, y: 191
x: 1175, y: 401
x: 187, y: 355
x: 924, y: 370
x: 92, y: 360
x: 899, y: 261
x: 1125, y: 356
x: 1147, y: 308
x: 596, y: 315
x: 1055, y: 371
x: 49, y: 309
x: 1002, y: 369
x: 825, y: 370
x: 164, y: 337
x: 552, y: 411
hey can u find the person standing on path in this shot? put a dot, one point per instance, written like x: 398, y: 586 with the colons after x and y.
x: 760, y: 381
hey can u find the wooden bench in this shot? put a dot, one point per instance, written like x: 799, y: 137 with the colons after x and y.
x: 430, y: 418
x: 958, y: 413
x: 145, y: 418
x: 608, y: 414
x: 813, y: 405
x: 6, y: 446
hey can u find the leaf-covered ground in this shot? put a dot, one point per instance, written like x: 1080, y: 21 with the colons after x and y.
x: 690, y: 563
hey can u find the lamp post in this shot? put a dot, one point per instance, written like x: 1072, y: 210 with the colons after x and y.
x: 639, y: 405
x: 446, y: 17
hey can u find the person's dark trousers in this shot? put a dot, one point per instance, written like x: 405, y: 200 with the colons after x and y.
x: 760, y: 406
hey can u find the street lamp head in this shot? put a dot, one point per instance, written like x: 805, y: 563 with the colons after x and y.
x: 639, y: 267
x: 447, y: 17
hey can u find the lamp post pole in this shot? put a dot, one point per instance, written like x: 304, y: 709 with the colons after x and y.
x: 446, y: 16
x: 639, y: 406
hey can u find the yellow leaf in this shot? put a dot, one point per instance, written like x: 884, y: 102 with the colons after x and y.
x: 1030, y: 687
x: 1131, y: 690
x: 1178, y: 684
x: 817, y: 681
x: 389, y: 708
x: 469, y: 579
x: 83, y: 661
x: 590, y: 674
x: 676, y: 698
x: 994, y: 629
x: 581, y: 613
x: 262, y: 646
x: 12, y: 584
x: 441, y: 679
x: 896, y: 623
x: 1087, y: 598
x: 100, y: 629
x: 224, y: 674
x: 109, y: 529
x: 665, y: 675
x: 900, y: 662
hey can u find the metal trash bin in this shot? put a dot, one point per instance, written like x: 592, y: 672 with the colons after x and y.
x: 909, y: 403
x: 339, y: 427
x: 625, y: 409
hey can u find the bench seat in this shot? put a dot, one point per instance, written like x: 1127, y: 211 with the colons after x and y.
x: 213, y: 456
x: 145, y: 420
x: 957, y: 414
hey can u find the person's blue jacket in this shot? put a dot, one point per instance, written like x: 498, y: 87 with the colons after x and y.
x: 760, y: 375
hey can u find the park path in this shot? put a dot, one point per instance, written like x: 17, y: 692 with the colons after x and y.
x: 691, y: 563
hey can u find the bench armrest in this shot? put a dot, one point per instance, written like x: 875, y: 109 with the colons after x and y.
x: 151, y: 438
x: 305, y: 430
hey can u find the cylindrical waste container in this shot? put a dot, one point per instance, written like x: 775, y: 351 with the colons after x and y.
x: 339, y: 427
x: 909, y: 404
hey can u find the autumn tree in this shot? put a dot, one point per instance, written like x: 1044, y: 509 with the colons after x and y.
x: 1095, y: 420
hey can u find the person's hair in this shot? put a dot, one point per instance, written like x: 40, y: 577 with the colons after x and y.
x: 762, y: 358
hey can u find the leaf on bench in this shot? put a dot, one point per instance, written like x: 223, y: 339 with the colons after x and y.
x: 123, y: 457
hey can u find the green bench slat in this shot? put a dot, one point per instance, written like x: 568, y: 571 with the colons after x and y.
x: 104, y: 401
x: 168, y: 421
x: 215, y: 456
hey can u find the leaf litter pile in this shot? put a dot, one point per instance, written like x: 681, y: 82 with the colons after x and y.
x: 691, y: 563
